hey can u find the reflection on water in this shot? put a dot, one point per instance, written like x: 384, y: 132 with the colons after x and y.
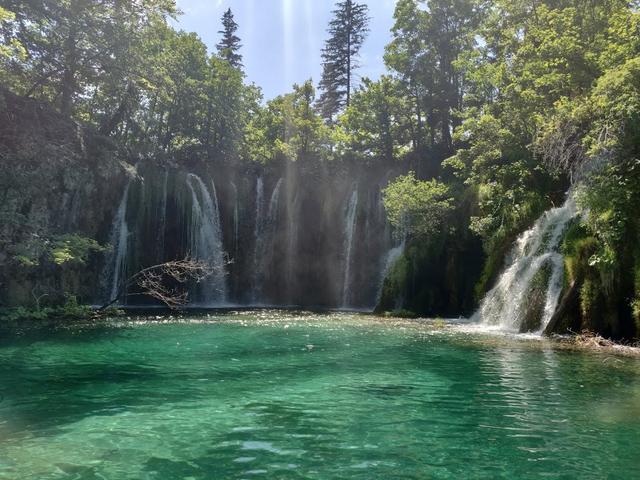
x: 298, y: 395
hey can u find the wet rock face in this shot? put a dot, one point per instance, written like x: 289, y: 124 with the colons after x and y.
x: 291, y: 235
x: 56, y: 178
x: 300, y: 243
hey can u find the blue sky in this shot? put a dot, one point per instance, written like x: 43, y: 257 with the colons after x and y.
x: 282, y: 39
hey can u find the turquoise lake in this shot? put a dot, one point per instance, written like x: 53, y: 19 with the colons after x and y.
x: 286, y: 395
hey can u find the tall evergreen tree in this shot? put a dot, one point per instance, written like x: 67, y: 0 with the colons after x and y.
x: 347, y: 32
x: 229, y: 46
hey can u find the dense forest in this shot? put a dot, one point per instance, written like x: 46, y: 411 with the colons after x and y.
x: 490, y: 112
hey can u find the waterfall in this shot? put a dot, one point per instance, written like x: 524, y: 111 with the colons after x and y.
x: 257, y: 239
x: 291, y: 259
x: 349, y: 229
x: 119, y: 241
x: 535, y: 256
x: 236, y: 220
x: 388, y: 261
x: 274, y: 205
x: 265, y: 238
x: 162, y: 221
x: 206, y: 240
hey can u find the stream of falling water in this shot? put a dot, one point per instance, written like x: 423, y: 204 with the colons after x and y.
x: 507, y: 304
x: 257, y: 239
x: 119, y: 240
x: 206, y: 241
x: 236, y: 220
x: 265, y: 232
x: 349, y: 229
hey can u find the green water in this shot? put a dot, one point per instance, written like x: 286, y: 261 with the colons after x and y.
x: 300, y: 396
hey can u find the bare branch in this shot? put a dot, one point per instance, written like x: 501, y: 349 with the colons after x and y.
x: 166, y: 282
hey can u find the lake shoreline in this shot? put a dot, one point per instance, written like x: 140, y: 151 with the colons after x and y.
x: 583, y: 342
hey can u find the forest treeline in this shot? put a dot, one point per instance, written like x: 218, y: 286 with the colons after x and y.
x: 496, y: 108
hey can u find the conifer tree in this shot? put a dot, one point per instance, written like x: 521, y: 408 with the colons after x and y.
x: 347, y: 32
x: 229, y: 46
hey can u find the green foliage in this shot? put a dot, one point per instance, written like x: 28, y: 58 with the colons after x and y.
x: 373, y: 127
x: 73, y: 45
x: 67, y: 311
x: 578, y: 247
x: 588, y: 300
x: 288, y: 128
x: 61, y: 250
x: 11, y: 48
x: 347, y: 32
x: 417, y: 207
x: 230, y: 43
x: 610, y: 198
x: 514, y: 96
x: 635, y: 303
x: 73, y: 248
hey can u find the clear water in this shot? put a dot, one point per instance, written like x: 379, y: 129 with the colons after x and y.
x: 291, y: 396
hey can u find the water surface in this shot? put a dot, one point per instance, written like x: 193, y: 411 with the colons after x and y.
x: 290, y: 396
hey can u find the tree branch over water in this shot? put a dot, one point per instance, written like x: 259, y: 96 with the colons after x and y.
x: 165, y: 282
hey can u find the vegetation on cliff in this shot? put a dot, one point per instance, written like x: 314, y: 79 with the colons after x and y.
x: 495, y: 107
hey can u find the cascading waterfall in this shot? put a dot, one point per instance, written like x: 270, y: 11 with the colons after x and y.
x: 534, y: 260
x: 236, y: 220
x: 387, y: 263
x: 167, y: 214
x: 292, y: 242
x: 274, y: 206
x: 349, y: 229
x: 119, y: 240
x: 162, y: 222
x: 265, y: 241
x: 257, y: 239
x: 206, y: 241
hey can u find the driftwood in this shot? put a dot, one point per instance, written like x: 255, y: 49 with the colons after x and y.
x: 155, y: 282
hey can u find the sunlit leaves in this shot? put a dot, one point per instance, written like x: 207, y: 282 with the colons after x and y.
x: 417, y: 208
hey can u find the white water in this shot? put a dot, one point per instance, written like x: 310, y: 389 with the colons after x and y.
x: 505, y: 306
x: 265, y: 231
x: 274, y: 206
x: 387, y: 262
x: 119, y: 241
x: 349, y: 229
x: 257, y: 239
x: 291, y: 259
x: 206, y: 241
x: 236, y: 220
x: 162, y: 222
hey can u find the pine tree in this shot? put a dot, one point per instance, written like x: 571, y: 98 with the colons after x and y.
x: 230, y: 44
x: 347, y: 32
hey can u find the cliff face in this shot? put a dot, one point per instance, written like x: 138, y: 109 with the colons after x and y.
x: 305, y: 233
x: 295, y: 233
x: 56, y: 179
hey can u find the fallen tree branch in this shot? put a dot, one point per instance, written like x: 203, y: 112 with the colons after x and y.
x: 156, y: 282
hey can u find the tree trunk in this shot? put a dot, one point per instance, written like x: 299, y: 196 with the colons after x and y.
x: 69, y: 74
x: 118, y: 116
x: 349, y: 33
